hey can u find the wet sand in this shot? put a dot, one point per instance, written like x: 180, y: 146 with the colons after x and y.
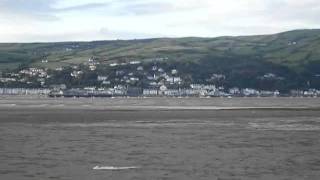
x: 85, y: 103
x: 273, y: 139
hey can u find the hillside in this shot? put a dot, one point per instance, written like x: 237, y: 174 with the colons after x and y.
x: 293, y: 49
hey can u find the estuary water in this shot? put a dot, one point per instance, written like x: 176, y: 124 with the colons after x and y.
x: 201, y: 146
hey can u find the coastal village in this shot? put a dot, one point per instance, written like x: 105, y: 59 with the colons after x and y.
x: 132, y: 78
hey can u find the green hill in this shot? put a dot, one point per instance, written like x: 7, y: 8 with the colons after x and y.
x: 293, y: 49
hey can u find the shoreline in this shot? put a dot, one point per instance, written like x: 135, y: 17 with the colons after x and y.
x: 250, y: 103
x: 92, y: 107
x: 41, y: 115
x: 100, y: 110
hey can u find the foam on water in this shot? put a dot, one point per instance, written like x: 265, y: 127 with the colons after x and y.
x: 284, y: 127
x: 7, y: 105
x: 140, y: 124
x: 114, y: 168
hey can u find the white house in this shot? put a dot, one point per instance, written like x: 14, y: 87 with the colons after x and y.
x: 150, y: 92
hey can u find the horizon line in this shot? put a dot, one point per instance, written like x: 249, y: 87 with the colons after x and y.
x: 152, y: 38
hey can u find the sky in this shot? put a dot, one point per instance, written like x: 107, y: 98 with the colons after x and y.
x: 87, y: 20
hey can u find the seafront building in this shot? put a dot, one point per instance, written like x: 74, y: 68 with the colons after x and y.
x: 24, y: 91
x: 163, y: 91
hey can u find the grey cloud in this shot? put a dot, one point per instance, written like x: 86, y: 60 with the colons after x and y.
x: 264, y: 16
x: 147, y: 8
x: 116, y: 34
x: 26, y: 6
x: 82, y: 7
x: 144, y: 7
x: 45, y: 10
x: 32, y: 8
x: 306, y: 12
x: 40, y: 9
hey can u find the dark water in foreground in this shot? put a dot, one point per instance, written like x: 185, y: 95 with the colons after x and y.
x: 234, y: 148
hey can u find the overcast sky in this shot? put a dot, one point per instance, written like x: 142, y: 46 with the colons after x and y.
x: 66, y: 20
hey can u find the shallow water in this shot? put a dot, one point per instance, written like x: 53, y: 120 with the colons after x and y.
x: 232, y: 148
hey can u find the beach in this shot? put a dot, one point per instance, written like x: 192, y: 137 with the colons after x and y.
x: 159, y: 138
